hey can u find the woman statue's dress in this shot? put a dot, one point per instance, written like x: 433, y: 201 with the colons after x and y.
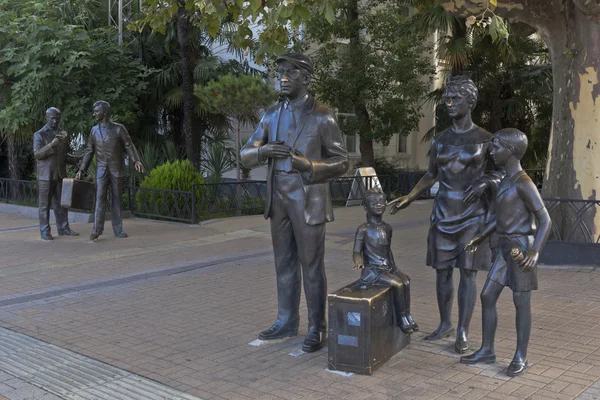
x: 460, y: 160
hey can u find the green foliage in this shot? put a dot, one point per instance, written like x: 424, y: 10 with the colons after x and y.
x: 381, y: 74
x: 175, y: 175
x: 171, y: 176
x: 153, y: 155
x: 276, y: 16
x: 44, y: 62
x: 217, y: 159
x: 237, y: 96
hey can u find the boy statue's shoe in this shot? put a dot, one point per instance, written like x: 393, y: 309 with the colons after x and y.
x: 478, y: 357
x: 517, y: 367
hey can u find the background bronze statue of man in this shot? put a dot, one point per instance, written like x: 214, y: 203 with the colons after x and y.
x: 108, y: 141
x: 50, y: 147
x: 458, y: 159
x: 302, y: 144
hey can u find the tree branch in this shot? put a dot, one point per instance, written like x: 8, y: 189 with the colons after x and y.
x: 536, y: 13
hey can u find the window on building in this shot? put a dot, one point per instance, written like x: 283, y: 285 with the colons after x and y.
x: 402, y: 144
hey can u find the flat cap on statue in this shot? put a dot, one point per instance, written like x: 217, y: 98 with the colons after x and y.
x: 298, y: 60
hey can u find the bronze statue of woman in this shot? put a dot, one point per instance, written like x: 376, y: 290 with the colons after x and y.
x: 458, y: 159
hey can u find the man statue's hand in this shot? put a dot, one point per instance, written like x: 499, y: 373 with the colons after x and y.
x: 300, y: 162
x: 55, y: 142
x: 399, y: 204
x: 275, y: 150
x: 474, y: 192
x: 139, y: 167
x: 359, y: 266
x: 530, y: 261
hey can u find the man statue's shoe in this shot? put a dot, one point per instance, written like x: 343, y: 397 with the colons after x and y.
x: 120, y: 234
x: 314, y: 340
x: 278, y: 332
x: 95, y: 236
x: 46, y: 236
x: 67, y: 232
x: 517, y: 367
x: 478, y: 357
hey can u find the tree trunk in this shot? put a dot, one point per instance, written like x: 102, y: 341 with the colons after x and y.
x: 573, y: 167
x: 13, y: 159
x: 187, y: 87
x: 367, y: 156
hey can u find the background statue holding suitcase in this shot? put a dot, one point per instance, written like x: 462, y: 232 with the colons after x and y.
x: 108, y: 141
x: 50, y: 147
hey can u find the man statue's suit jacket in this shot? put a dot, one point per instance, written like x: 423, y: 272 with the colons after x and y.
x: 109, y: 143
x: 318, y: 137
x: 51, y: 162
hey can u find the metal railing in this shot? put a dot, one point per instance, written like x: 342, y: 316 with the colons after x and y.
x: 19, y: 192
x: 574, y: 220
x: 225, y: 199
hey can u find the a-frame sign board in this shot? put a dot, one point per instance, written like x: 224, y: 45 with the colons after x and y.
x: 364, y: 179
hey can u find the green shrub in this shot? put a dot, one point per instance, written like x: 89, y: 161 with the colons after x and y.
x: 178, y: 176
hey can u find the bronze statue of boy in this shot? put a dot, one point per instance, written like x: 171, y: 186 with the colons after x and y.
x: 373, y: 255
x: 517, y: 203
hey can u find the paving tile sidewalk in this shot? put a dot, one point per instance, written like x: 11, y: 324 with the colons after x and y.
x: 192, y: 330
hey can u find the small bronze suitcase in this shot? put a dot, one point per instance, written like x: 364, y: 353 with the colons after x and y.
x: 363, y: 333
x: 77, y: 194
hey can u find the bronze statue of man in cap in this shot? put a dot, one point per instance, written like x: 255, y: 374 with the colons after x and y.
x: 301, y: 142
x: 50, y: 148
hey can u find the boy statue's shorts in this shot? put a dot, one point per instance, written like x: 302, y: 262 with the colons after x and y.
x: 505, y: 270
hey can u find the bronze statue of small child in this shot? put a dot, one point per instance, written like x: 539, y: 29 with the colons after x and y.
x: 518, y: 206
x: 373, y: 255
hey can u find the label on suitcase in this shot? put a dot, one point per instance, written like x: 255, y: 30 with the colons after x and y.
x: 77, y: 194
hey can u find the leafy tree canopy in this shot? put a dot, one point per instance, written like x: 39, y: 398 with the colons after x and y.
x: 238, y: 96
x: 46, y: 63
x: 276, y: 17
x: 365, y: 66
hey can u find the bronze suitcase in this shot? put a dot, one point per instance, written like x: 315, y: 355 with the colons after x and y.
x: 362, y: 329
x: 77, y: 194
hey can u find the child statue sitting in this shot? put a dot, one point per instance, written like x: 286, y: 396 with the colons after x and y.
x: 373, y: 255
x: 518, y: 205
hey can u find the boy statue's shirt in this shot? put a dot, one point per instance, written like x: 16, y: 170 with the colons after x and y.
x: 373, y: 241
x: 516, y: 201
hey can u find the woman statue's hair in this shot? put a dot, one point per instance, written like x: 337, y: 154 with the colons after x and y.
x: 465, y: 86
